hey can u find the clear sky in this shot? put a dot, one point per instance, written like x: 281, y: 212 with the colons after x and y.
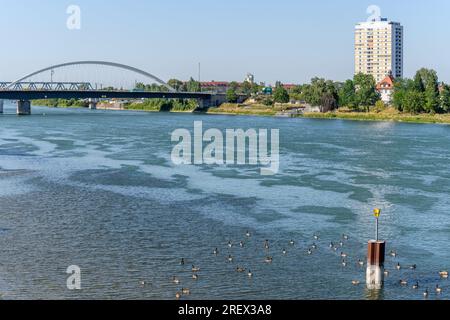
x: 286, y: 40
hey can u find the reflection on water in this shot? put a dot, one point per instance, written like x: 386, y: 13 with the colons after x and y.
x: 97, y: 189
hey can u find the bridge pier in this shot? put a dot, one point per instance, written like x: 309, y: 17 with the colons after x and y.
x: 23, y: 107
x: 1, y: 106
x: 93, y: 104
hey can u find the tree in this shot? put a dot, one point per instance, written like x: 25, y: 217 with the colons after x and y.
x: 366, y: 93
x: 193, y: 86
x: 319, y: 89
x: 432, y: 102
x: 413, y: 101
x: 347, y: 95
x: 418, y: 81
x: 232, y: 95
x: 281, y: 95
x: 176, y: 84
x: 445, y: 98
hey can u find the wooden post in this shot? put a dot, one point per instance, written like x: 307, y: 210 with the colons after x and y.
x: 375, y: 264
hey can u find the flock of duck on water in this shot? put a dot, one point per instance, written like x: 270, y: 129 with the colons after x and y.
x: 337, y: 247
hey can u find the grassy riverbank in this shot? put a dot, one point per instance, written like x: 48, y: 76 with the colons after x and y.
x: 389, y: 114
x: 60, y: 103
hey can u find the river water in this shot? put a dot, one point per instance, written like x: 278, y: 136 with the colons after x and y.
x: 97, y: 189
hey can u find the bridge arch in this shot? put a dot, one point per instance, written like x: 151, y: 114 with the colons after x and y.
x: 103, y: 63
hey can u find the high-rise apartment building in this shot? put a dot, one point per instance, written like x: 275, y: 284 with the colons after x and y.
x: 379, y: 48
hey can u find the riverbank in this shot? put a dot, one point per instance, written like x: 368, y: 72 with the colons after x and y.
x: 389, y: 114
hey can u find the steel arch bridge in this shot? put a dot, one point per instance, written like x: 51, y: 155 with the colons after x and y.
x: 20, y: 83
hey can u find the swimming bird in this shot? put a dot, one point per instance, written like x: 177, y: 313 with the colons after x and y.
x: 438, y: 289
x: 403, y: 282
x: 186, y: 291
x: 239, y: 269
x: 316, y: 237
x: 335, y: 248
x: 195, y: 269
x: 143, y: 284
x: 309, y: 252
x: 241, y: 244
x: 393, y: 253
x: 216, y: 251
x: 345, y: 237
x: 284, y: 251
x: 175, y: 280
x: 266, y: 245
x: 230, y: 244
x: 416, y: 285
x: 314, y: 246
x: 292, y: 242
x: 355, y: 282
x: 386, y: 273
x: 247, y: 234
x: 343, y: 255
x: 341, y: 243
x: 398, y: 266
x: 361, y: 263
x: 182, y: 261
x: 413, y: 267
x: 268, y: 260
x: 331, y: 246
x: 178, y: 296
x: 425, y: 293
x: 195, y: 277
x: 230, y: 258
x: 344, y: 263
x: 249, y: 274
x: 443, y: 274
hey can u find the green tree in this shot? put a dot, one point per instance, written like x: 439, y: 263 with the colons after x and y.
x: 176, y: 84
x: 193, y: 86
x: 445, y: 98
x: 432, y: 102
x: 418, y: 82
x: 281, y: 95
x: 232, y: 95
x: 319, y: 91
x: 347, y: 95
x: 414, y: 101
x: 366, y: 93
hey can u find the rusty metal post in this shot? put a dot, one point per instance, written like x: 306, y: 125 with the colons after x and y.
x: 375, y: 264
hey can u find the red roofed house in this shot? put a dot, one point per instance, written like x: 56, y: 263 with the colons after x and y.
x: 386, y: 88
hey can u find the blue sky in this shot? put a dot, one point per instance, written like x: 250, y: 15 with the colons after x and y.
x: 286, y: 40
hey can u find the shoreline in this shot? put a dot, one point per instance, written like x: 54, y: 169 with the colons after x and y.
x: 351, y: 116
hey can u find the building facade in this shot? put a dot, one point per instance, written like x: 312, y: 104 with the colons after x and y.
x: 379, y: 49
x: 386, y: 88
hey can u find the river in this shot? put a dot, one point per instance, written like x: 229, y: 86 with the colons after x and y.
x: 97, y: 189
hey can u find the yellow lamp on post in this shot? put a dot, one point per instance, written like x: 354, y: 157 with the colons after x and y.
x: 376, y: 213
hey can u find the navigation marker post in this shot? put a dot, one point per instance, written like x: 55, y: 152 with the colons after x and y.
x: 375, y: 259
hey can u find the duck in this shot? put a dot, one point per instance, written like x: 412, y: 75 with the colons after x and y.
x: 195, y: 269
x: 393, y: 253
x: 335, y: 248
x: 443, y: 274
x: 341, y: 244
x: 292, y: 242
x: 344, y: 263
x: 438, y: 289
x: 316, y: 237
x: 175, y: 280
x: 269, y: 260
x: 355, y: 282
x: 284, y: 251
x: 343, y: 255
x: 386, y: 273
x: 195, y: 277
x: 250, y: 274
x: 186, y: 291
x: 309, y: 252
x: 361, y: 263
x: 216, y: 251
x: 403, y: 282
x: 266, y: 245
x: 425, y: 293
x: 314, y: 246
x: 182, y: 262
x: 398, y: 266
x: 230, y: 244
x: 248, y: 234
x: 143, y: 284
x: 241, y: 244
x: 240, y: 270
x: 416, y: 285
x: 178, y: 296
x: 230, y: 258
x: 413, y: 267
x: 331, y: 245
x: 345, y: 237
